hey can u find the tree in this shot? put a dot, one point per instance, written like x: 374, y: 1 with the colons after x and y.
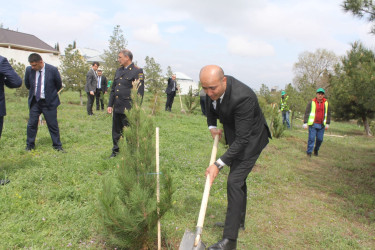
x: 117, y: 43
x: 353, y: 86
x: 361, y: 8
x: 129, y: 209
x: 313, y: 69
x: 154, y: 81
x: 265, y: 93
x: 169, y: 71
x: 191, y: 100
x: 297, y: 103
x: 20, y: 69
x: 73, y: 70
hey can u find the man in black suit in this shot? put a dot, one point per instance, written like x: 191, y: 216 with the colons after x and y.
x: 120, y: 97
x: 90, y: 87
x: 9, y: 78
x: 246, y: 131
x: 43, y: 82
x: 101, y: 89
x: 171, y: 92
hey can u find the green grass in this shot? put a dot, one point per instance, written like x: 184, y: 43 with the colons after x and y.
x: 294, y: 202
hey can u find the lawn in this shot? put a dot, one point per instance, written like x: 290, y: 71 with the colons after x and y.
x: 294, y: 202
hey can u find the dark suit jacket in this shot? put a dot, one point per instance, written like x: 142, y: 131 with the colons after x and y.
x: 103, y: 84
x: 52, y: 84
x: 245, y: 128
x: 120, y: 97
x: 91, y: 81
x: 9, y: 78
x: 169, y: 88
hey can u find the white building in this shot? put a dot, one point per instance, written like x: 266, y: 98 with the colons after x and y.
x: 18, y: 46
x: 185, y: 82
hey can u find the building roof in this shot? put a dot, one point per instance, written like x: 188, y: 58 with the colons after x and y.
x: 23, y: 41
x: 182, y: 76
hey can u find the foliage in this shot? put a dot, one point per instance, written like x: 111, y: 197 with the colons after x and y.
x: 154, y: 81
x: 313, y: 69
x: 191, y: 100
x: 276, y: 126
x: 353, y: 89
x: 169, y: 71
x: 129, y: 206
x: 153, y: 74
x: 51, y: 201
x: 20, y: 69
x: 361, y: 8
x: 73, y: 70
x: 117, y: 43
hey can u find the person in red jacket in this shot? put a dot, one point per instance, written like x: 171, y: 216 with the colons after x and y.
x: 317, y: 118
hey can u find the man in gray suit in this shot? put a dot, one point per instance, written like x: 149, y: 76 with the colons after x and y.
x: 90, y: 88
x: 245, y: 128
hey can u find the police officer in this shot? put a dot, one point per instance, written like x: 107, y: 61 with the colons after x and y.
x: 120, y: 97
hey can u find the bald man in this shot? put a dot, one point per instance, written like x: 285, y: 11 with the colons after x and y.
x: 246, y: 131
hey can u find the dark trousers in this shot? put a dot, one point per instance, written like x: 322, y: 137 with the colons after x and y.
x: 119, y: 121
x: 237, y: 196
x: 99, y: 98
x: 1, y: 124
x: 170, y: 99
x: 50, y: 115
x: 90, y: 102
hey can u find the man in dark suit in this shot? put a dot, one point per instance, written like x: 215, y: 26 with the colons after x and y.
x: 171, y: 92
x: 90, y: 87
x: 43, y: 82
x: 9, y: 78
x: 246, y: 131
x: 101, y: 89
x: 120, y: 97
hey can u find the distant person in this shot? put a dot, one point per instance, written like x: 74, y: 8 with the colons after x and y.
x: 9, y: 78
x: 101, y: 90
x: 236, y: 106
x: 285, y: 108
x: 171, y: 92
x: 120, y: 96
x: 317, y: 118
x: 202, y: 100
x: 90, y: 87
x: 43, y: 82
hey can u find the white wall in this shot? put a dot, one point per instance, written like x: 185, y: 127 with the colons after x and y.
x: 22, y: 56
x: 185, y: 84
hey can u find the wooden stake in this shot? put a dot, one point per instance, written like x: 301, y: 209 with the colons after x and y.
x: 157, y: 185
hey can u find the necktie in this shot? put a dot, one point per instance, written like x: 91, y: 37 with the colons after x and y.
x: 39, y: 87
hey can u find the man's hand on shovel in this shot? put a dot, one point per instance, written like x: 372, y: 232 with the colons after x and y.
x: 213, y: 171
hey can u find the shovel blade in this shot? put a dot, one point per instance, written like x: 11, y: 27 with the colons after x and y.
x: 187, y: 242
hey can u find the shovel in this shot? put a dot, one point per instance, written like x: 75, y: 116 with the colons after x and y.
x: 179, y: 94
x: 192, y: 241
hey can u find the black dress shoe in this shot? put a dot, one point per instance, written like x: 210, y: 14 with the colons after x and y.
x: 3, y: 182
x: 224, y: 244
x: 28, y: 148
x: 60, y: 149
x: 114, y: 154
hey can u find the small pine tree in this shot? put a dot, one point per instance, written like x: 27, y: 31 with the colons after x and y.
x: 128, y: 204
x: 20, y: 69
x: 277, y: 126
x: 191, y: 100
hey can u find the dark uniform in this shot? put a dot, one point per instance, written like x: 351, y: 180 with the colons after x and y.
x: 120, y: 99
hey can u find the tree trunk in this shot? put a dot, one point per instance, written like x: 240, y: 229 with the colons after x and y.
x: 155, y: 103
x: 367, y: 126
x: 80, y: 97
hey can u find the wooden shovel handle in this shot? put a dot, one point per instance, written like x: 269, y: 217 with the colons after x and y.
x: 207, y: 187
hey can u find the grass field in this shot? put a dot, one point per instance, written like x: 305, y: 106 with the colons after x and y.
x: 326, y: 202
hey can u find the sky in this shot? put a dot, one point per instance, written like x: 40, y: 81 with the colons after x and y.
x: 256, y: 41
